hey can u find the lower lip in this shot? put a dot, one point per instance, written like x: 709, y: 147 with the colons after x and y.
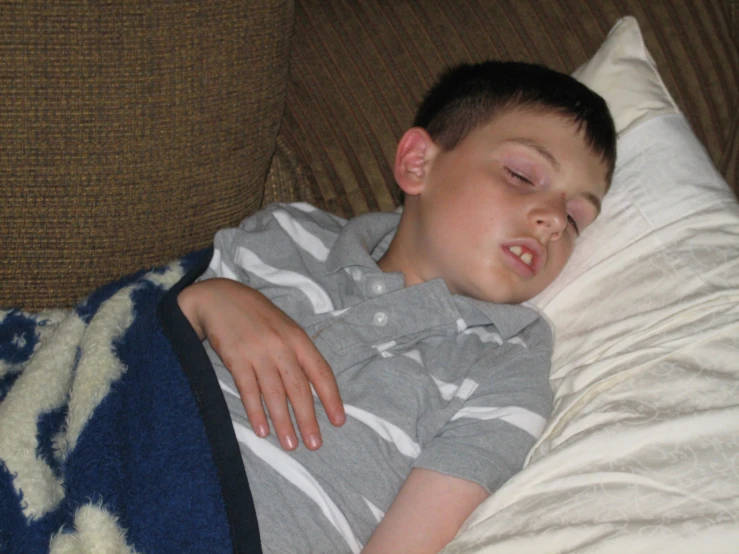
x: 517, y: 264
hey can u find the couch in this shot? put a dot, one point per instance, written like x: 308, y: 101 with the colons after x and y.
x: 132, y: 131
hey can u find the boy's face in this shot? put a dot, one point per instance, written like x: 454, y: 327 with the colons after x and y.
x: 497, y: 217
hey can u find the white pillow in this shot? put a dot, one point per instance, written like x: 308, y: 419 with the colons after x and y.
x: 623, y: 72
x: 642, y: 451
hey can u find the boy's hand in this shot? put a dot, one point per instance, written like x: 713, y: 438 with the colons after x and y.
x: 269, y: 356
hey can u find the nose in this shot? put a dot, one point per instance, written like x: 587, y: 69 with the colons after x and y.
x: 549, y: 218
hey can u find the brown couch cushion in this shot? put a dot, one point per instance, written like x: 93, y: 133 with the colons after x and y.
x: 359, y: 67
x: 131, y: 131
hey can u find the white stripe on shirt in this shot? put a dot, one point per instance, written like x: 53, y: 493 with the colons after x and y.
x: 301, y: 236
x: 220, y: 267
x: 304, y: 207
x: 519, y: 341
x: 229, y: 390
x: 524, y: 419
x: 414, y: 355
x: 316, y: 294
x: 450, y: 390
x: 296, y: 474
x: 386, y: 430
x: 308, y: 209
x: 384, y: 346
x: 377, y: 512
x: 446, y: 389
x: 485, y: 336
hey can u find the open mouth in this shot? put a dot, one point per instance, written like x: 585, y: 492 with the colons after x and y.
x: 525, y: 256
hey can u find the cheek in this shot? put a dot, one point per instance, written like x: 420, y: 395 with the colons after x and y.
x: 470, y: 216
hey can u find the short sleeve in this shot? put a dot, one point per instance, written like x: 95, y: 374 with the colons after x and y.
x: 487, y: 439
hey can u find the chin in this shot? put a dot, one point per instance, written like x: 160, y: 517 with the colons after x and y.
x: 494, y: 293
x: 514, y: 297
x: 502, y: 297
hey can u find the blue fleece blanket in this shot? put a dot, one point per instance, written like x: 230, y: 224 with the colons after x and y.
x: 114, y: 436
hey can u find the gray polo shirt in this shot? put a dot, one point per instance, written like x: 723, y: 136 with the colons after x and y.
x: 428, y: 379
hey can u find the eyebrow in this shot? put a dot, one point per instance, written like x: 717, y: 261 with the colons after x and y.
x: 539, y: 148
x: 589, y: 196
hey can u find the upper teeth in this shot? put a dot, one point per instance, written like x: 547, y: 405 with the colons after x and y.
x: 526, y: 257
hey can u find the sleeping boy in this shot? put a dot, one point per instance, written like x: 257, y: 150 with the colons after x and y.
x: 414, y: 320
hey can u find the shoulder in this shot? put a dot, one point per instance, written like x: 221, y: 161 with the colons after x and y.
x: 511, y: 325
x: 538, y: 335
x: 522, y: 357
x: 287, y: 215
x: 283, y: 228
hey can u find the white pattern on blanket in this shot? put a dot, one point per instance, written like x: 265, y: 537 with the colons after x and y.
x: 68, y: 367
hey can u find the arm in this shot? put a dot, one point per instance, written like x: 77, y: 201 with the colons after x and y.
x: 269, y: 356
x: 432, y: 506
x: 427, y: 513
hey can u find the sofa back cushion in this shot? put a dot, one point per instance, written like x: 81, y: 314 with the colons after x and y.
x: 360, y: 67
x: 131, y: 131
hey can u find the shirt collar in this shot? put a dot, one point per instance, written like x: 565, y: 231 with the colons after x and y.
x: 365, y: 238
x: 509, y: 319
x: 363, y: 241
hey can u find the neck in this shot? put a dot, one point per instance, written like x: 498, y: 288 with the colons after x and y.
x: 399, y: 257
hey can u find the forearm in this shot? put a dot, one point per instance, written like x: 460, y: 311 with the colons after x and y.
x: 269, y: 355
x: 427, y: 513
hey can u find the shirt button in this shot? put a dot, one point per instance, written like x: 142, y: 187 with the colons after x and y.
x: 356, y: 274
x: 380, y: 319
x: 378, y: 287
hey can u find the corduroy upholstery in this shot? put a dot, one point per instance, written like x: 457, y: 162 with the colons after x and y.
x: 359, y: 68
x: 130, y: 131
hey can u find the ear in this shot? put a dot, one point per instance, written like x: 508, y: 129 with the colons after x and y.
x: 415, y: 150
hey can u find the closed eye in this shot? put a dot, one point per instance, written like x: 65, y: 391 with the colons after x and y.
x: 572, y: 222
x: 518, y: 176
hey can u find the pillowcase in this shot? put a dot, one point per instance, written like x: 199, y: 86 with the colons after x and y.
x: 624, y: 73
x: 640, y: 453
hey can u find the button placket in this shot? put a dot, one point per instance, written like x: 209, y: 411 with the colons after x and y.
x: 380, y: 319
x: 378, y: 287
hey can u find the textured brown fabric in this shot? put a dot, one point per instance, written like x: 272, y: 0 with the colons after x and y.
x: 286, y: 178
x: 359, y: 68
x: 730, y: 162
x: 130, y: 131
x: 732, y: 13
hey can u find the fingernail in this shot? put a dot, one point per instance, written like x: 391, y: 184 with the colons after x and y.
x: 313, y: 442
x: 291, y: 442
x: 262, y: 430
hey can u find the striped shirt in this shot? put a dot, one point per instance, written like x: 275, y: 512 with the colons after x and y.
x: 428, y: 379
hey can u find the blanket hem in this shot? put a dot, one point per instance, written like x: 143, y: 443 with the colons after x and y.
x: 190, y: 353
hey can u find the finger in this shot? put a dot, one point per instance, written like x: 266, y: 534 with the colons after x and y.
x: 321, y: 376
x: 299, y: 393
x: 273, y: 393
x: 251, y: 397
